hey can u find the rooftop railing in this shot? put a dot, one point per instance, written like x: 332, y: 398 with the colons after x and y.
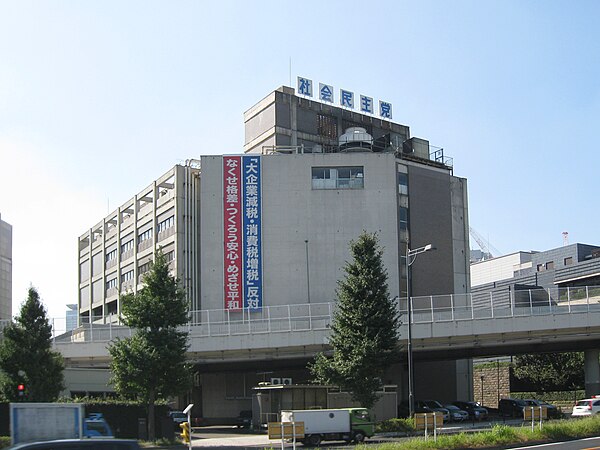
x: 318, y: 316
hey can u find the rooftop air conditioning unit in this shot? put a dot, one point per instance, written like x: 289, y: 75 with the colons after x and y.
x: 355, y: 139
x: 275, y: 380
x: 286, y: 381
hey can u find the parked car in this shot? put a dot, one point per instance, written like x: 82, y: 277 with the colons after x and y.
x: 511, y: 407
x: 244, y: 420
x: 587, y: 407
x: 178, y: 416
x: 553, y: 411
x: 419, y: 408
x: 475, y: 411
x: 435, y: 406
x: 456, y: 414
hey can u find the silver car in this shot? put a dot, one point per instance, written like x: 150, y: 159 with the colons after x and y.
x: 456, y: 414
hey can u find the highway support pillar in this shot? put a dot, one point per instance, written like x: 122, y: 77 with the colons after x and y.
x: 592, y: 373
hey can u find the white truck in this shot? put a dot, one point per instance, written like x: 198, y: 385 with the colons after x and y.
x: 30, y: 422
x: 346, y: 424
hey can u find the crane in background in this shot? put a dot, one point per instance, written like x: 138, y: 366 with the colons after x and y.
x: 488, y: 250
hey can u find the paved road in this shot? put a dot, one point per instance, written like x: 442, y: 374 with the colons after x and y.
x: 230, y: 438
x: 580, y: 444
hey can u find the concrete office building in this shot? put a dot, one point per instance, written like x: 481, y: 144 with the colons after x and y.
x: 567, y: 266
x: 115, y: 253
x: 313, y: 176
x: 5, y: 270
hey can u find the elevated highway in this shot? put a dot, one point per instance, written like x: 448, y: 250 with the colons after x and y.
x: 444, y: 327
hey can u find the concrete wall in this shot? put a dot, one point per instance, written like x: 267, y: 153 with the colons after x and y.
x: 81, y: 380
x: 6, y: 271
x: 430, y: 221
x: 496, y: 269
x: 293, y: 212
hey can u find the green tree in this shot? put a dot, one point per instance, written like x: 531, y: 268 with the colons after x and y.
x: 26, y: 355
x: 551, y: 371
x: 150, y: 365
x: 364, y: 332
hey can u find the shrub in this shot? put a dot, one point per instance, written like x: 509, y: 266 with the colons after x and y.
x: 395, y: 425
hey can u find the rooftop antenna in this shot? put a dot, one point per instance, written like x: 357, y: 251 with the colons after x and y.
x: 290, y: 71
x: 565, y: 238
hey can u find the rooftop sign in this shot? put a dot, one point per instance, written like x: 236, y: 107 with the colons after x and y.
x: 346, y: 99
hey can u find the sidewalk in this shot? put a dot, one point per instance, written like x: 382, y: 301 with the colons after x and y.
x: 235, y: 442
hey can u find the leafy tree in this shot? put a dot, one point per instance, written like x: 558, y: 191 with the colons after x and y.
x: 26, y: 355
x: 551, y: 371
x: 150, y: 365
x: 364, y: 332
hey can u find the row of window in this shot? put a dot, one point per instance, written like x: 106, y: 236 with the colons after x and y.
x: 550, y: 264
x: 142, y: 269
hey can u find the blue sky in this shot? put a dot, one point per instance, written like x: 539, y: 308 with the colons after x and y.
x: 98, y: 98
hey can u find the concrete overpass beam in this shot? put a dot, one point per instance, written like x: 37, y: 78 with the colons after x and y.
x: 592, y: 373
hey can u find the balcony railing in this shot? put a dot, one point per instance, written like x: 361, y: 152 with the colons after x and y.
x: 318, y: 316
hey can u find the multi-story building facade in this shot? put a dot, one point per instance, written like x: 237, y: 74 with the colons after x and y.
x: 567, y: 266
x: 115, y: 253
x: 5, y: 270
x: 272, y: 227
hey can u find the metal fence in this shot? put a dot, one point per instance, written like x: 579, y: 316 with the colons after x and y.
x: 318, y: 316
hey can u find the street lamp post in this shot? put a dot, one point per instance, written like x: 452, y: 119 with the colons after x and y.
x: 307, y: 273
x: 411, y: 256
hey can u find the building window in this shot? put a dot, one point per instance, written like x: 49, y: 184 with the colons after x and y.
x: 327, y: 126
x: 337, y: 178
x: 112, y: 255
x: 127, y: 246
x: 568, y: 261
x: 166, y: 224
x: 84, y: 270
x: 127, y: 276
x: 540, y: 268
x: 402, y: 183
x: 112, y: 283
x: 403, y: 218
x: 144, y: 268
x: 145, y: 236
x: 97, y: 264
x: 550, y: 265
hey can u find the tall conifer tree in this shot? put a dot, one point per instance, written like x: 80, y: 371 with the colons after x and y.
x: 364, y: 333
x: 27, y: 358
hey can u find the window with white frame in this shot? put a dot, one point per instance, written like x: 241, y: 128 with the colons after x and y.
x: 338, y: 177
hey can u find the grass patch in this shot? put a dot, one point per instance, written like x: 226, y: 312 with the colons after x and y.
x: 502, y: 435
